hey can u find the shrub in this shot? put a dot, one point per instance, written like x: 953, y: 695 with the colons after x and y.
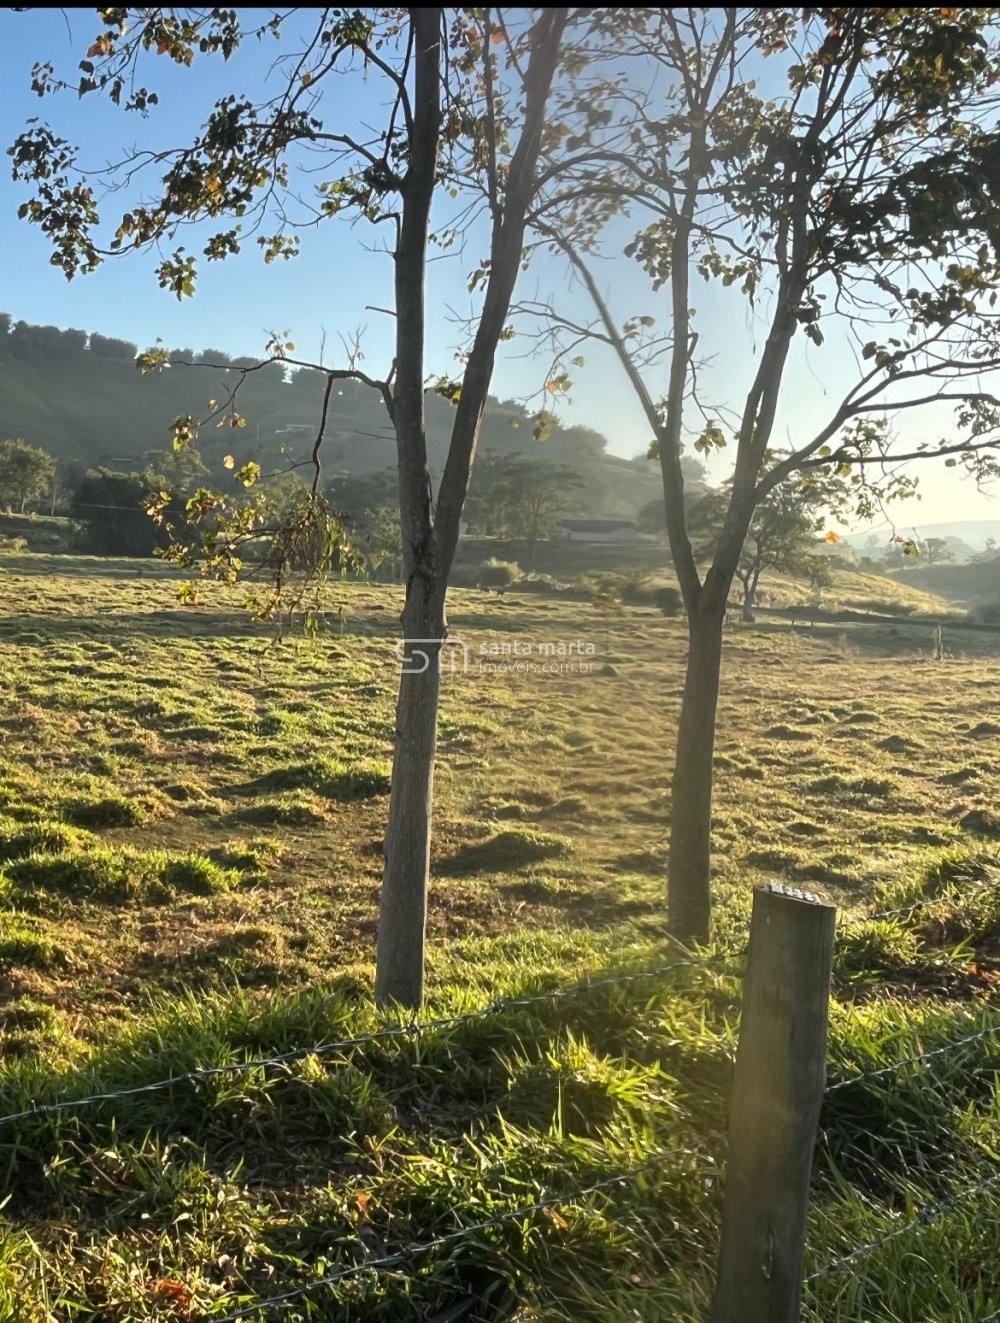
x: 669, y: 601
x: 495, y: 573
x: 986, y: 613
x: 636, y: 589
x: 537, y: 583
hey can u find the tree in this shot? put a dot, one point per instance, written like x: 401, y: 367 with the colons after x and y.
x: 111, y: 507
x: 65, y: 480
x: 783, y: 532
x: 370, y: 508
x: 26, y: 471
x: 467, y: 110
x: 180, y: 471
x: 936, y: 550
x: 651, y: 518
x: 858, y: 205
x: 513, y: 496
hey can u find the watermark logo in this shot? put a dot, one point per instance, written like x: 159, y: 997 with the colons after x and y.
x: 418, y: 655
x: 498, y: 656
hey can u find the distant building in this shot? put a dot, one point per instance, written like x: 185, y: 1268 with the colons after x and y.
x: 599, y: 530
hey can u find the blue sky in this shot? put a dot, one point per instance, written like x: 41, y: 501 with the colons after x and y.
x: 340, y: 271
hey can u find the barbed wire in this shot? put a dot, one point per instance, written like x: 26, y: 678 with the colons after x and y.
x: 926, y: 1217
x: 419, y: 1248
x: 916, y: 1059
x: 412, y: 1029
x: 926, y: 902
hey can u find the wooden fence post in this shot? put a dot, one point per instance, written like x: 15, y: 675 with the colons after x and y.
x: 777, y: 1093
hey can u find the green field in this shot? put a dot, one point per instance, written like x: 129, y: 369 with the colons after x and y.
x: 190, y: 824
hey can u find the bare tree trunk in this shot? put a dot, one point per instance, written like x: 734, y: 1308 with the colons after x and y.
x: 402, y: 920
x: 399, y: 960
x: 429, y: 540
x: 688, y: 884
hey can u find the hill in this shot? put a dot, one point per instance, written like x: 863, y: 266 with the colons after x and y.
x: 81, y: 398
x: 964, y: 585
x: 962, y: 536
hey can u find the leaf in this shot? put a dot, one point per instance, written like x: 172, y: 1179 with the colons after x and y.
x: 228, y: 462
x: 496, y: 38
x: 555, y: 1217
x: 832, y: 537
x: 174, y: 1291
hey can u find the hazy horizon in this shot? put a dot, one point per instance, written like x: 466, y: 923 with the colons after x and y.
x: 342, y: 282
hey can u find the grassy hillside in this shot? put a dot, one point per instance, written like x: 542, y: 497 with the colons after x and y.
x: 189, y: 863
x: 964, y: 585
x: 851, y: 590
x: 83, y: 406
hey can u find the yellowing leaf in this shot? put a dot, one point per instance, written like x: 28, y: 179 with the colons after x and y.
x: 832, y: 537
x: 177, y: 1292
x: 555, y: 1217
x: 497, y: 38
x: 228, y: 462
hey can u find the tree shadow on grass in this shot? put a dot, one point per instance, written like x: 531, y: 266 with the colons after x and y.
x: 561, y: 1071
x: 120, y: 626
x: 431, y: 1081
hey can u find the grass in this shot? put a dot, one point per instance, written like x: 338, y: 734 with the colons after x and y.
x: 191, y: 818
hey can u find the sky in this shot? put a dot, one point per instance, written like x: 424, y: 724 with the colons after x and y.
x: 343, y: 275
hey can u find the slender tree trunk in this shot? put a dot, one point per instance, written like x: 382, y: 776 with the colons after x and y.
x: 399, y: 960
x: 749, y: 601
x: 688, y: 886
x: 430, y: 540
x: 402, y: 920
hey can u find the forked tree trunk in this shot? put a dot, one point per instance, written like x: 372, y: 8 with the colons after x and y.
x: 689, y: 898
x: 399, y: 976
x: 430, y: 538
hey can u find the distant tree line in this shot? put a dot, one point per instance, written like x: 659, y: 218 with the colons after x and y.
x: 98, y: 404
x: 23, y: 340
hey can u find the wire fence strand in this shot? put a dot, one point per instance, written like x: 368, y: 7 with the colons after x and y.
x: 918, y: 1058
x: 926, y: 1217
x: 411, y: 1030
x: 419, y: 1248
